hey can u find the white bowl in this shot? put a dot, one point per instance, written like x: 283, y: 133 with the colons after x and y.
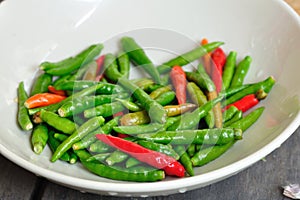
x: 269, y: 31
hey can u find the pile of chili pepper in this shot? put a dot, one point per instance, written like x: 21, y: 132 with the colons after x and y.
x: 88, y: 110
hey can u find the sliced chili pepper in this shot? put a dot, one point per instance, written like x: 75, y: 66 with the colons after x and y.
x: 43, y: 99
x: 161, y: 161
x: 52, y: 90
x: 244, y: 103
x: 178, y: 78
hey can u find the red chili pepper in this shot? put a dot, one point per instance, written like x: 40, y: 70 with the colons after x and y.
x: 100, y: 62
x: 43, y: 99
x: 219, y: 59
x: 52, y: 90
x: 158, y: 160
x: 216, y: 77
x: 178, y: 78
x: 244, y: 103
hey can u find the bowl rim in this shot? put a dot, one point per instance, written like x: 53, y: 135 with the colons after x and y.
x: 153, y: 187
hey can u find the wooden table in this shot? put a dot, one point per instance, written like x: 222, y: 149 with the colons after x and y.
x: 263, y: 180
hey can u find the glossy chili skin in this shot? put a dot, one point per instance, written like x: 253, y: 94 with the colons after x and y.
x: 240, y: 72
x: 201, y: 136
x: 139, y: 57
x: 79, y: 133
x: 153, y: 158
x: 74, y: 63
x: 23, y: 116
x: 245, y: 103
x: 178, y: 79
x: 265, y: 85
x: 229, y: 69
x: 43, y: 99
x: 248, y: 120
x: 111, y: 70
x: 155, y: 110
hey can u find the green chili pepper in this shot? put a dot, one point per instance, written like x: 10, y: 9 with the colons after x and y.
x: 39, y: 138
x: 116, y: 157
x: 100, y: 147
x: 185, y: 159
x: 41, y: 84
x: 191, y: 150
x: 138, y: 129
x: 209, y: 154
x: 159, y: 91
x: 98, y: 157
x: 138, y: 173
x: 162, y: 148
x: 60, y: 137
x: 200, y: 136
x: 124, y: 64
x: 199, y: 98
x: 229, y: 69
x: 237, y: 116
x: 62, y: 124
x: 103, y: 88
x: 131, y: 106
x: 73, y: 158
x: 139, y: 57
x: 188, y: 57
x: 265, y: 85
x: 155, y: 110
x: 111, y: 68
x: 82, y: 131
x: 80, y: 104
x: 23, y: 116
x: 104, y: 110
x: 84, y: 92
x: 248, y: 120
x: 143, y: 83
x: 54, y: 143
x: 202, y: 80
x: 76, y: 62
x: 131, y: 162
x: 61, y: 80
x: 49, y: 65
x: 166, y: 98
x: 90, y: 138
x: 136, y: 118
x: 229, y: 113
x: 191, y: 120
x: 240, y: 72
x: 75, y: 85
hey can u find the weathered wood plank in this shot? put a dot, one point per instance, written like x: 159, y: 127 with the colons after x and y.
x: 15, y: 182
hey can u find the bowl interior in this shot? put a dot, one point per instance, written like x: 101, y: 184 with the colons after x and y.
x: 165, y: 29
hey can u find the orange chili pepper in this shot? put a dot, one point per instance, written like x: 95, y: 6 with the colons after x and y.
x: 206, y: 58
x: 178, y: 78
x: 43, y: 99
